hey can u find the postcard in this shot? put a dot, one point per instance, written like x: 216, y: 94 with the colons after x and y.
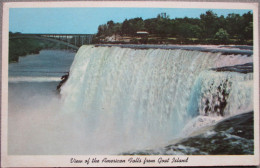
x: 129, y: 84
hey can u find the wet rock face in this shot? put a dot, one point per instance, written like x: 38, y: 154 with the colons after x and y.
x: 64, y: 78
x: 219, y: 102
x: 242, y: 125
x: 233, y: 136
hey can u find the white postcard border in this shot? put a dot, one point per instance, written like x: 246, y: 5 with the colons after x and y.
x: 65, y: 160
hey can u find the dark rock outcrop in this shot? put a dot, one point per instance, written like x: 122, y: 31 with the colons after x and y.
x: 233, y: 136
x: 64, y: 78
x: 242, y: 68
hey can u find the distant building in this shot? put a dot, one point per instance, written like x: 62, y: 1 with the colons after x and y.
x: 142, y: 33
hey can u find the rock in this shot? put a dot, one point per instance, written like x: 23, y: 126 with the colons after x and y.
x: 64, y: 78
x: 242, y: 68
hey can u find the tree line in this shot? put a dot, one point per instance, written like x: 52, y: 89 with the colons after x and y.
x: 208, y: 28
x: 22, y: 47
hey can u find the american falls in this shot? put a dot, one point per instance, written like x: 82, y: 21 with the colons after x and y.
x: 141, y: 100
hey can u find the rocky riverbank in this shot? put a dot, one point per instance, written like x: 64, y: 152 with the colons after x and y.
x: 233, y: 136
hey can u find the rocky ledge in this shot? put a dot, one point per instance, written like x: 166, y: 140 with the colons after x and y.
x: 233, y: 136
x: 242, y: 68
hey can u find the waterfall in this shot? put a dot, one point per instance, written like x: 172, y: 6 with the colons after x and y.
x: 225, y: 93
x: 134, y: 98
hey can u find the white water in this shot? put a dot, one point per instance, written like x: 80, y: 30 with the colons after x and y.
x: 209, y: 86
x: 34, y: 79
x: 238, y: 86
x: 127, y: 99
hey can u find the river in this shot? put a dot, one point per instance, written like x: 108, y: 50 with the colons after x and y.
x: 34, y: 101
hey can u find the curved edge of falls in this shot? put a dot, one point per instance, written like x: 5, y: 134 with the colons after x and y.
x: 224, y: 50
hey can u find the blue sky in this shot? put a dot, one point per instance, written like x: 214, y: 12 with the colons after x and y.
x: 87, y: 20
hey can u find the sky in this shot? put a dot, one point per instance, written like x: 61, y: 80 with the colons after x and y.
x: 87, y: 20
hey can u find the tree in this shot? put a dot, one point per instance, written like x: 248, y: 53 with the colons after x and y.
x: 163, y: 27
x: 131, y: 26
x: 234, y: 25
x: 195, y: 31
x: 207, y: 28
x: 163, y: 16
x: 117, y: 28
x: 209, y: 24
x: 102, y: 30
x: 222, y: 22
x: 150, y: 25
x: 125, y: 27
x: 248, y: 33
x: 222, y: 36
x: 110, y: 24
x: 248, y: 25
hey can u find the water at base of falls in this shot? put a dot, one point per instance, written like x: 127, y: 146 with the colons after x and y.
x: 134, y: 99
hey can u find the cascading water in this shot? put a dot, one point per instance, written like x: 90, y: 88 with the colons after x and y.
x: 130, y: 99
x: 226, y: 93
